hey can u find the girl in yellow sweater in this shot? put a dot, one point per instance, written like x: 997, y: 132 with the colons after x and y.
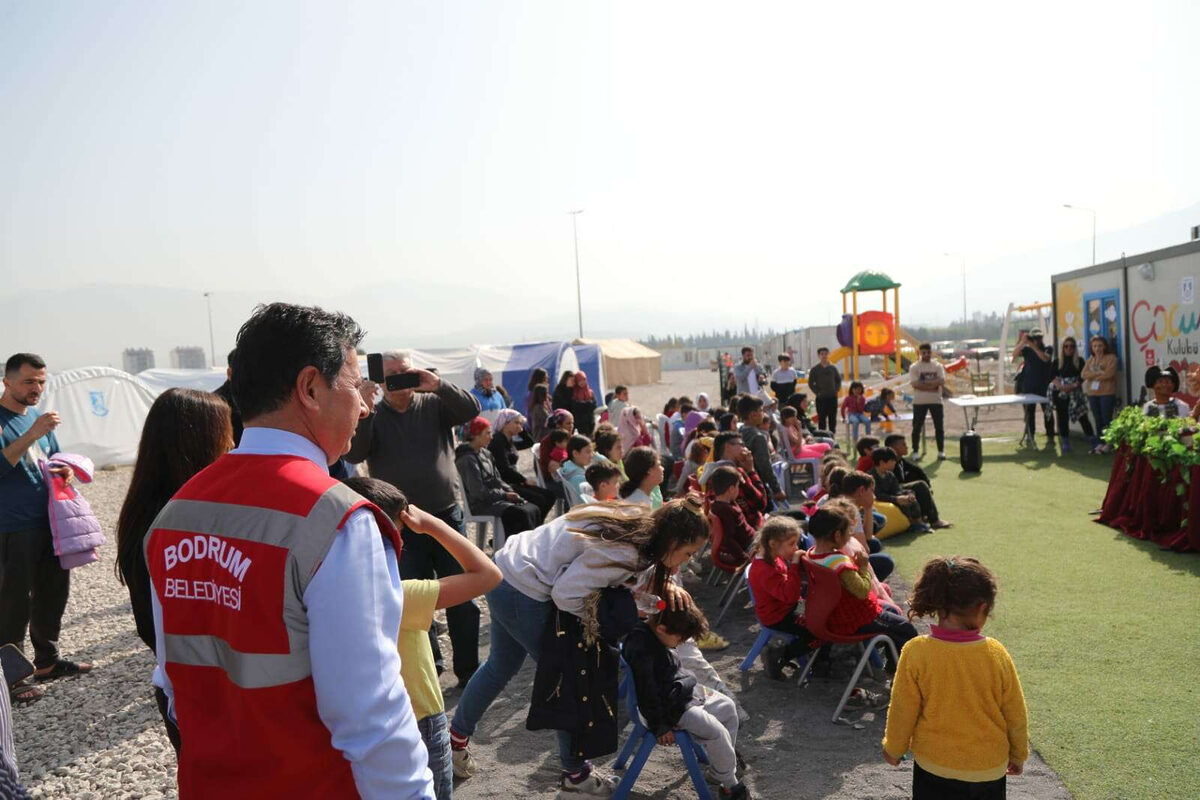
x: 956, y: 698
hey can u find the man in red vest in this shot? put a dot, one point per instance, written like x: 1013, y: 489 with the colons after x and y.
x: 277, y: 595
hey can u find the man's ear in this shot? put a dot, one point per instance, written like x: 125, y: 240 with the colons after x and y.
x: 308, y: 382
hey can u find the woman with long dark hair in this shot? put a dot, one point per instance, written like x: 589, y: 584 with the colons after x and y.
x: 1067, y: 393
x: 185, y: 431
x: 564, y: 392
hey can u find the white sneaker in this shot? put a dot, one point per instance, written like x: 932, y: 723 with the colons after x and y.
x: 941, y: 455
x: 462, y: 763
x: 594, y: 785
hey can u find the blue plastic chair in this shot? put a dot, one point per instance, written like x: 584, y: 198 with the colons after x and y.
x: 764, y: 635
x: 642, y: 739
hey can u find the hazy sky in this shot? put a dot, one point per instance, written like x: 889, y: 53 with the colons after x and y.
x: 716, y: 148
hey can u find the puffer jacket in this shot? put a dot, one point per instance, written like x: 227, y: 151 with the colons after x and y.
x: 481, y: 482
x: 76, y: 531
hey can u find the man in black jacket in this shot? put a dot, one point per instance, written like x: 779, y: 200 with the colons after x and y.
x: 669, y: 698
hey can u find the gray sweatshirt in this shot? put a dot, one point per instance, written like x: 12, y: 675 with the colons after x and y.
x: 414, y: 450
x: 824, y: 381
x: 552, y: 563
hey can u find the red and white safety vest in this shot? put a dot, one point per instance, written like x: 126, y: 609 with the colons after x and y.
x: 230, y: 558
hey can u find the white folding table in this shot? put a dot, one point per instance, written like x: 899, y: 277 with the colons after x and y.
x: 970, y: 401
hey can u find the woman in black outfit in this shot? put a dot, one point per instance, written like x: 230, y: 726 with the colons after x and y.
x: 185, y: 431
x: 564, y: 392
x: 1067, y: 393
x: 509, y: 437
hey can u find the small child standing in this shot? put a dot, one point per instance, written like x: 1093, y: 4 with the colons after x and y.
x: 956, y: 698
x: 859, y: 611
x: 669, y: 698
x: 421, y: 599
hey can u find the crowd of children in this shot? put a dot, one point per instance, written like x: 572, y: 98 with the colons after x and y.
x: 604, y: 575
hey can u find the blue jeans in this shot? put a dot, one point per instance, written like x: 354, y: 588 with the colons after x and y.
x: 1102, y: 406
x: 435, y: 732
x: 855, y: 420
x: 881, y: 563
x: 518, y: 624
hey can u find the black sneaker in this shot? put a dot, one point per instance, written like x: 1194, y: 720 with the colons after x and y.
x: 736, y: 792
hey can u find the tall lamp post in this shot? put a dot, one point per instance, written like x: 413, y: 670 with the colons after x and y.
x: 964, y: 283
x: 212, y: 347
x: 578, y: 291
x: 1093, y: 213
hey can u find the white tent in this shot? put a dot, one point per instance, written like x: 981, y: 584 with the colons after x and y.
x: 456, y: 366
x: 159, y: 380
x: 102, y: 412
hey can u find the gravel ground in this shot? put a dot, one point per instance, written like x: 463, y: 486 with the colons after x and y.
x: 100, y: 736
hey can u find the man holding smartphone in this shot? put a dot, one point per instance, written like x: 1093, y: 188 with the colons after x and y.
x: 408, y: 441
x: 33, y: 585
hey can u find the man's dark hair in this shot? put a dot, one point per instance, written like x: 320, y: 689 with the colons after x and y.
x: 600, y: 472
x: 822, y: 350
x: 855, y: 480
x: 687, y: 621
x: 747, y: 405
x: 15, y: 362
x: 783, y: 356
x: 882, y: 455
x: 620, y: 388
x: 892, y: 438
x: 925, y: 346
x: 685, y: 409
x: 747, y: 349
x: 722, y: 479
x: 391, y: 501
x: 277, y: 342
x: 723, y: 439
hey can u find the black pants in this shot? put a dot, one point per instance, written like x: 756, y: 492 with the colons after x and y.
x: 924, y: 498
x: 542, y: 498
x: 939, y: 429
x: 1062, y: 410
x: 800, y: 647
x: 827, y: 408
x: 160, y: 698
x: 1031, y: 422
x: 424, y: 558
x: 927, y: 786
x: 519, y: 517
x: 893, y: 625
x: 33, y: 593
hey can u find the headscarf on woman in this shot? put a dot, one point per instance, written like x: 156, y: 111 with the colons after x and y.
x: 632, y: 429
x: 480, y: 374
x: 582, y: 392
x: 693, y: 419
x: 506, y: 416
x: 702, y: 402
x: 558, y: 417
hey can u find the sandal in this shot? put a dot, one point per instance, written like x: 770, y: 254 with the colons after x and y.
x: 61, y: 669
x: 24, y: 694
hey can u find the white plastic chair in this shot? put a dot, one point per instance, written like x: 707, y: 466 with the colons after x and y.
x: 482, y: 522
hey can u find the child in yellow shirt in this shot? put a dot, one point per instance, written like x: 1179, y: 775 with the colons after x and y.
x: 956, y: 698
x: 421, y: 599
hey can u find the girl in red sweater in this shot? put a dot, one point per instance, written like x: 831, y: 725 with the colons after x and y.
x: 776, y: 583
x: 854, y: 409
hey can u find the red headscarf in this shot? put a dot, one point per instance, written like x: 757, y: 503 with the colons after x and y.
x: 582, y: 392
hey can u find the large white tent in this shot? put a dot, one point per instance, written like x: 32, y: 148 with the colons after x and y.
x: 159, y: 380
x: 102, y: 412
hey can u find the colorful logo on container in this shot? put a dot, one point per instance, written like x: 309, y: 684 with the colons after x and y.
x: 1172, y: 327
x: 99, y: 408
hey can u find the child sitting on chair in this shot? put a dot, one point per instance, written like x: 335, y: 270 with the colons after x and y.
x: 859, y: 610
x: 802, y: 445
x: 669, y: 698
x: 957, y: 699
x: 854, y: 409
x: 776, y: 583
x: 737, y: 534
x: 605, y: 479
x: 579, y: 457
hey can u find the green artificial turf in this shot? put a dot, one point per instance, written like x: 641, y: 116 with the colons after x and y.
x: 1104, y: 629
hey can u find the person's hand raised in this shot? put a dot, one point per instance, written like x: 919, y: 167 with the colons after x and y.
x: 45, y: 423
x: 430, y: 382
x: 367, y: 391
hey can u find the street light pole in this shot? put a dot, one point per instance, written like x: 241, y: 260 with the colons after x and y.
x: 212, y: 347
x: 578, y: 290
x: 1093, y: 213
x: 964, y: 283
